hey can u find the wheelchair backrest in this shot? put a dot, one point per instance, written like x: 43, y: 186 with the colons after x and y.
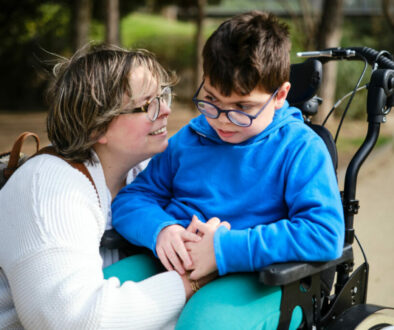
x: 305, y: 80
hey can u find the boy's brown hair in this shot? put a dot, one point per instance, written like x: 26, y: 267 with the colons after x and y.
x: 248, y: 51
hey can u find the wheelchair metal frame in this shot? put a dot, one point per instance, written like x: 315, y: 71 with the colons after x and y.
x: 302, y: 282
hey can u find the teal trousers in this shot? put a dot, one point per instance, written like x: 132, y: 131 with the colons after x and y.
x: 237, y: 301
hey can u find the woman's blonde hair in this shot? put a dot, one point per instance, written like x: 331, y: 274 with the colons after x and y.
x: 87, y: 92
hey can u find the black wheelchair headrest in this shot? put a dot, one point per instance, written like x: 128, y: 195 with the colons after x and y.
x: 305, y: 79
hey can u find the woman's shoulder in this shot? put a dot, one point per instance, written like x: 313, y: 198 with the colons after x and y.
x: 44, y: 167
x: 48, y: 187
x: 45, y: 174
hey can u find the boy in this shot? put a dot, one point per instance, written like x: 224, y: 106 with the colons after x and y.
x: 248, y: 159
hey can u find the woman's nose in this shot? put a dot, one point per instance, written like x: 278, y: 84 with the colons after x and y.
x: 164, y: 109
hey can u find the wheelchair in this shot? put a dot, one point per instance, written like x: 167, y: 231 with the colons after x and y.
x: 332, y: 295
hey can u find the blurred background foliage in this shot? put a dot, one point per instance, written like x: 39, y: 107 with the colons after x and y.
x: 33, y: 30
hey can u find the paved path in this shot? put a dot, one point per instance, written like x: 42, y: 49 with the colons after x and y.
x: 374, y: 224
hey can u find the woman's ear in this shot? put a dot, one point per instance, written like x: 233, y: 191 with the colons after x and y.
x: 101, y: 140
x: 282, y: 95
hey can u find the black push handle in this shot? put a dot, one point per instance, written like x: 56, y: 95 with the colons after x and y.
x: 383, y: 58
x: 372, y: 56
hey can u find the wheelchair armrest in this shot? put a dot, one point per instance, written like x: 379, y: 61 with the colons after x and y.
x: 285, y: 273
x: 113, y: 240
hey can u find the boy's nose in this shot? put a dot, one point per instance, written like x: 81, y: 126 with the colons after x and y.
x: 223, y: 118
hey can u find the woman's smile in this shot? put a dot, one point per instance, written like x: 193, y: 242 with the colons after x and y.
x: 159, y: 131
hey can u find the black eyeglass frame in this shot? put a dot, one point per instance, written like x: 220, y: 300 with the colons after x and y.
x: 228, y: 112
x: 145, y: 107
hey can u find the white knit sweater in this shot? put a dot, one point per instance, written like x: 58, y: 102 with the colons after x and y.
x: 50, y: 266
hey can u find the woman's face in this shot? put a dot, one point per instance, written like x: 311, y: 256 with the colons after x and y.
x: 133, y: 136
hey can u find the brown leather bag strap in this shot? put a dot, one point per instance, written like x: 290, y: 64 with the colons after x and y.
x: 78, y: 166
x: 16, y: 150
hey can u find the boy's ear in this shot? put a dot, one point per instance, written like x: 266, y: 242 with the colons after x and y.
x: 282, y: 95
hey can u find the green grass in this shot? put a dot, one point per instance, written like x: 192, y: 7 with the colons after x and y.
x: 172, y: 41
x: 351, y: 144
x: 138, y: 27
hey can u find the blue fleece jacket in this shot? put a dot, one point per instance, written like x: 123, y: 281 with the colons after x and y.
x: 278, y: 191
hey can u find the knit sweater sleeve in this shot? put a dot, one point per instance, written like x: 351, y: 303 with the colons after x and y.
x: 53, y: 264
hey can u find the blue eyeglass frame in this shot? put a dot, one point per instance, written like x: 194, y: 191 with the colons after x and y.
x: 228, y: 112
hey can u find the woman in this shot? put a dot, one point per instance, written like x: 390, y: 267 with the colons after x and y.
x: 109, y: 110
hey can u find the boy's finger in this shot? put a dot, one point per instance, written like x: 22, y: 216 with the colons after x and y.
x: 174, y: 259
x: 188, y: 246
x: 181, y: 252
x: 225, y: 224
x: 213, y: 221
x: 188, y: 236
x: 192, y: 226
x: 167, y: 265
x: 203, y: 227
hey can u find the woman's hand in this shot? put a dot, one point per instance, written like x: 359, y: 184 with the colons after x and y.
x: 201, y: 282
x: 202, y: 253
x: 171, y: 250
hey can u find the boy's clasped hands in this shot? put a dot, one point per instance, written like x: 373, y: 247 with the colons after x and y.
x: 189, y: 249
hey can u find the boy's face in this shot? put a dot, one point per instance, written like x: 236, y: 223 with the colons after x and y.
x: 250, y: 104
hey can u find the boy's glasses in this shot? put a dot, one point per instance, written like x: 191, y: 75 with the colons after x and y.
x: 237, y: 117
x: 152, y: 107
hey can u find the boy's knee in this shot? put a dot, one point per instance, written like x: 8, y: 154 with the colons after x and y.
x: 236, y: 301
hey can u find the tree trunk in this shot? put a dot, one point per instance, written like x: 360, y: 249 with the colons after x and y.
x: 329, y: 35
x: 199, y: 40
x: 112, y: 35
x: 81, y: 15
x: 387, y: 13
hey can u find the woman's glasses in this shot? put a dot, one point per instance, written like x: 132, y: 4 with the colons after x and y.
x: 237, y: 117
x: 152, y: 107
